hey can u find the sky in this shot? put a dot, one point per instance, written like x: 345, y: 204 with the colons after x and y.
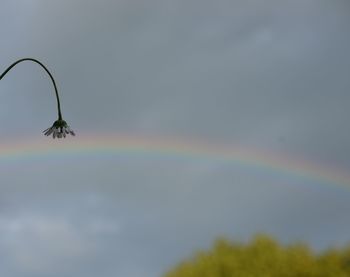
x: 270, y: 76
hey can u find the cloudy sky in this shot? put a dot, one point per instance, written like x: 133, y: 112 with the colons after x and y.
x: 269, y: 75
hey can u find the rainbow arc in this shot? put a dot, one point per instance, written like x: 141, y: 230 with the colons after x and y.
x: 115, y: 144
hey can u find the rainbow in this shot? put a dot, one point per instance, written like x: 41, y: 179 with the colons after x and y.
x: 115, y: 144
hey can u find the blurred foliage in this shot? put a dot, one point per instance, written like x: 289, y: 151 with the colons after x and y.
x: 264, y: 257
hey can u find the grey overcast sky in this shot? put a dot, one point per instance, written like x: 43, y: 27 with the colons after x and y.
x: 270, y: 75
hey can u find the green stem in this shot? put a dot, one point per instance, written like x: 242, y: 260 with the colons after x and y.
x: 47, y: 71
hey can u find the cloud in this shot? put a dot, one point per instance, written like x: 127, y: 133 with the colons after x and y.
x: 38, y: 244
x: 270, y: 75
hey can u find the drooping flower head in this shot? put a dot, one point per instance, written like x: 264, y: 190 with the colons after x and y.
x: 59, y: 129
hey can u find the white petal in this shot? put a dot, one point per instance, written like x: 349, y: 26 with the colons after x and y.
x: 48, y: 132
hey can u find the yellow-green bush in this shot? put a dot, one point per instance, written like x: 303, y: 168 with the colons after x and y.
x: 264, y: 257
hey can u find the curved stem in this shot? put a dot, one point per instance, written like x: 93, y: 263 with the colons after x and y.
x: 47, y: 71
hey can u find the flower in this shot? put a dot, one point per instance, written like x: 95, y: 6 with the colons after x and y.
x: 59, y: 129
